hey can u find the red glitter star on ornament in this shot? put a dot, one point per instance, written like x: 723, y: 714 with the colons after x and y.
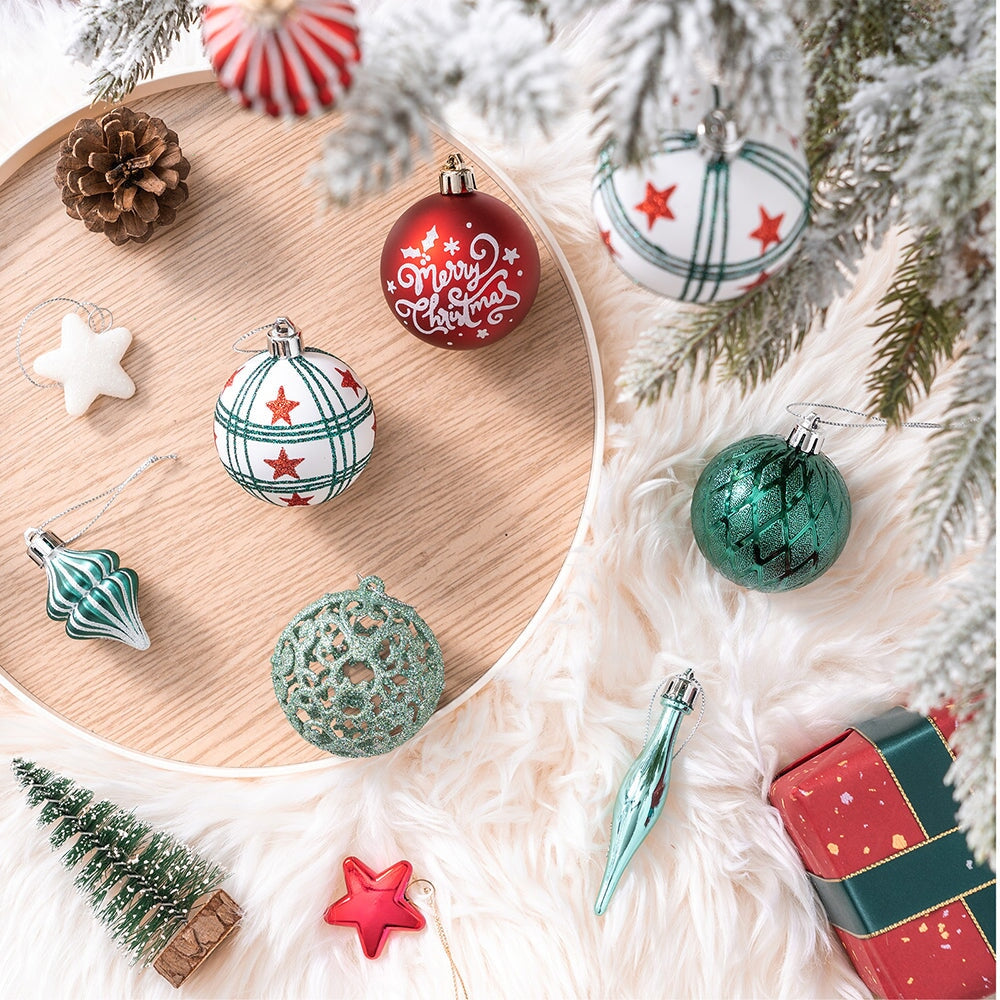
x: 767, y: 231
x: 281, y: 408
x: 348, y: 380
x: 655, y: 204
x: 375, y: 904
x: 296, y: 501
x: 606, y: 240
x: 231, y: 379
x: 283, y: 465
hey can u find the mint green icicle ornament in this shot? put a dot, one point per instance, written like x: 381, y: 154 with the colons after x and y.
x: 358, y: 672
x: 643, y: 791
x: 89, y: 591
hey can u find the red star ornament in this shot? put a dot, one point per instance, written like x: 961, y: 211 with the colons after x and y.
x: 296, y: 501
x: 654, y: 206
x: 767, y: 231
x: 283, y: 465
x: 281, y: 408
x: 606, y: 240
x: 375, y: 904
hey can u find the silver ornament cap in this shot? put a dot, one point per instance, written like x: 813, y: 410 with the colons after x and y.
x: 803, y: 436
x: 284, y: 339
x: 683, y: 688
x: 456, y: 177
x: 719, y: 136
x: 41, y: 545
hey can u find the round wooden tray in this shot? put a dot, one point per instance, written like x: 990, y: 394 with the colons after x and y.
x: 483, y: 468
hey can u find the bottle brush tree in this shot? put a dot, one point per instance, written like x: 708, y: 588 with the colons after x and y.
x: 143, y: 884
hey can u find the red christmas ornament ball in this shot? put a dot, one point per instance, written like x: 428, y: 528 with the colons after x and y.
x: 461, y: 269
x: 282, y: 57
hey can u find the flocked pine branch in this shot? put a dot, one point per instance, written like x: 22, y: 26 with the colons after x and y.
x: 836, y: 36
x: 417, y: 59
x: 509, y: 72
x: 954, y: 661
x: 123, y: 40
x: 959, y: 486
x: 387, y: 109
x: 928, y: 111
x: 660, y: 48
x: 917, y: 336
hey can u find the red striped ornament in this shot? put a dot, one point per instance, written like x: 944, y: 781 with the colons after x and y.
x: 282, y: 57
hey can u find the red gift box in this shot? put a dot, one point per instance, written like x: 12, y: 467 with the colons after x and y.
x: 874, y: 823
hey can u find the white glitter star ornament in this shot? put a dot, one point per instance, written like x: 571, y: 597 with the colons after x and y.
x: 87, y: 364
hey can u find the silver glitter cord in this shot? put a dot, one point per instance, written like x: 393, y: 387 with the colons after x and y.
x: 111, y: 494
x: 247, y: 336
x: 867, y: 422
x: 99, y: 319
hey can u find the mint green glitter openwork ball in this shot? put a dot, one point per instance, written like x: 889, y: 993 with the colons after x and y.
x: 357, y: 673
x: 769, y: 516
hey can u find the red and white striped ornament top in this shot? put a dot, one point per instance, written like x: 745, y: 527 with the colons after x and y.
x: 282, y: 57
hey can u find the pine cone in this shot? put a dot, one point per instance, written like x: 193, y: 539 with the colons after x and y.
x: 123, y: 175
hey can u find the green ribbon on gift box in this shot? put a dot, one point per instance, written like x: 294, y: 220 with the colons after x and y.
x: 928, y: 875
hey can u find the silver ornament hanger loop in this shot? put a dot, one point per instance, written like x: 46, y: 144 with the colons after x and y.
x: 99, y: 319
x: 282, y: 329
x: 866, y: 422
x: 112, y: 494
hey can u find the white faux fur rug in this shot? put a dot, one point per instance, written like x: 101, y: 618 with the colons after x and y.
x: 505, y: 802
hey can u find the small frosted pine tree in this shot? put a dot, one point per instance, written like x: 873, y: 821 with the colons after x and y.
x: 141, y: 883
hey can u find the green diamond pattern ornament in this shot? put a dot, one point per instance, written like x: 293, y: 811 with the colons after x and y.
x: 294, y: 426
x: 89, y: 591
x: 357, y: 672
x: 772, y: 513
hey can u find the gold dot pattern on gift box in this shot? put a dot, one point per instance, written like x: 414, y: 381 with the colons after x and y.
x: 855, y: 809
x: 950, y: 929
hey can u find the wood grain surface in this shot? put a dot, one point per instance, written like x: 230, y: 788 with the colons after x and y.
x: 467, y: 510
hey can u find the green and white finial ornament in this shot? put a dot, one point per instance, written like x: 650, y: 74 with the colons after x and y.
x: 358, y: 672
x: 294, y: 426
x: 88, y: 589
x: 711, y: 213
x: 772, y: 513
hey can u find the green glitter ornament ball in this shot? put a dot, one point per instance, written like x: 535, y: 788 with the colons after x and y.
x: 770, y: 516
x: 357, y: 673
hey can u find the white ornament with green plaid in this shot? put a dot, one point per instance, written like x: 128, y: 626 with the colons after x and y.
x: 294, y: 426
x: 711, y: 213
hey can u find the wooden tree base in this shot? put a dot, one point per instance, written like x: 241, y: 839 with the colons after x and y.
x: 208, y: 924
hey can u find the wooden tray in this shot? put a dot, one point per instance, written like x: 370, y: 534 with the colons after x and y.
x: 482, y: 471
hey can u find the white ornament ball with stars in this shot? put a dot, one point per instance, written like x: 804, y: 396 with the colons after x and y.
x: 294, y: 430
x: 705, y: 217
